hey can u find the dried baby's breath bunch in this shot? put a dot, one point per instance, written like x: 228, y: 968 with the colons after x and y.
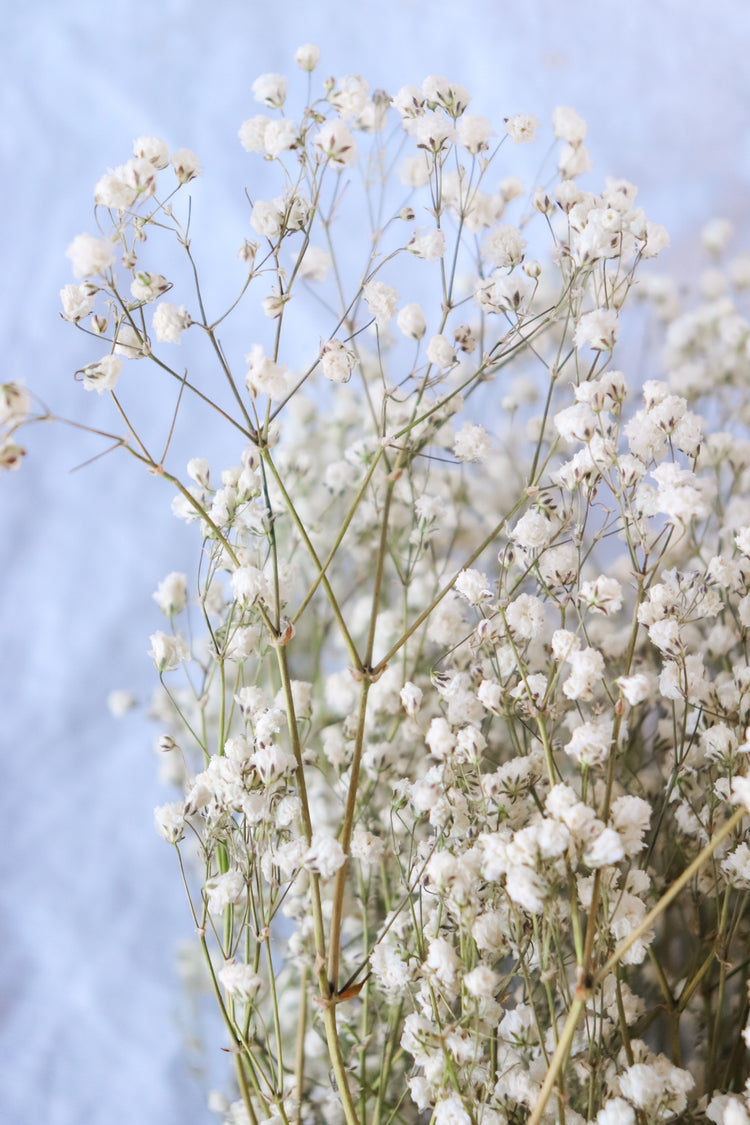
x: 456, y: 702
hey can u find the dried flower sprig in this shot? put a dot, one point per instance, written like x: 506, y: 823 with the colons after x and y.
x: 458, y: 748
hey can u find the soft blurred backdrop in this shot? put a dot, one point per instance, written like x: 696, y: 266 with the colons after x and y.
x: 93, y: 1023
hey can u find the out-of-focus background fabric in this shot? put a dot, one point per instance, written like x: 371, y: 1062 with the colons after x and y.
x: 93, y: 1023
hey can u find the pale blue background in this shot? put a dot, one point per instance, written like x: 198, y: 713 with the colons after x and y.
x: 90, y: 906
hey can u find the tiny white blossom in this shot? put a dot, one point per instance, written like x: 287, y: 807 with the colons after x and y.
x: 186, y: 165
x: 169, y: 322
x: 170, y: 821
x: 270, y: 89
x: 429, y: 245
x: 568, y: 126
x: 474, y: 586
x: 411, y: 321
x: 90, y: 256
x: 337, y: 361
x: 239, y: 979
x: 324, y: 856
x: 441, y: 352
x: 522, y: 127
x: 171, y: 594
x: 102, y: 376
x: 307, y: 56
x: 335, y: 141
x: 168, y: 651
x: 382, y: 300
x: 598, y: 329
x: 152, y: 149
x: 472, y: 443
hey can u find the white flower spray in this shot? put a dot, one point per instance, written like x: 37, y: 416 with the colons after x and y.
x: 459, y: 752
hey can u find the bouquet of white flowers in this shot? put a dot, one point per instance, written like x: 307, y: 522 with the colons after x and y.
x: 456, y: 701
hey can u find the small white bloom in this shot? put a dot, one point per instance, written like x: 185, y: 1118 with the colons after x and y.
x: 324, y: 856
x: 440, y: 351
x: 382, y: 300
x: 335, y: 141
x: 77, y: 301
x: 169, y: 322
x: 280, y: 136
x: 741, y: 791
x: 102, y: 376
x: 252, y: 133
x: 170, y: 821
x: 598, y: 329
x: 249, y: 585
x: 152, y: 149
x: 411, y: 321
x: 525, y: 616
x: 11, y: 455
x: 472, y: 443
x: 307, y: 56
x: 429, y: 245
x: 114, y: 191
x: 186, y: 165
x: 522, y: 127
x: 266, y: 377
x: 15, y: 403
x: 474, y: 133
x: 503, y: 247
x: 90, y: 256
x: 239, y: 980
x: 590, y: 742
x: 337, y: 361
x: 171, y: 594
x: 474, y: 586
x: 270, y: 89
x: 168, y: 651
x: 634, y: 688
x: 411, y: 698
x: 568, y: 126
x: 350, y: 95
x: 225, y: 890
x: 148, y: 286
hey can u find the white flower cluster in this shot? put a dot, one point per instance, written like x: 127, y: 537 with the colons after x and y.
x: 473, y: 690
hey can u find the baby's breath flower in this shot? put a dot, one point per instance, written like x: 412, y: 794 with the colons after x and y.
x: 102, y: 376
x: 440, y: 352
x: 252, y: 133
x: 598, y: 329
x: 169, y: 322
x: 186, y: 165
x: 324, y: 856
x: 171, y: 594
x: 568, y: 126
x: 11, y: 454
x: 152, y: 149
x: 15, y: 403
x: 170, y: 821
x: 168, y: 651
x: 474, y: 133
x: 336, y: 143
x: 337, y: 361
x: 504, y: 247
x: 77, y: 301
x: 522, y: 127
x: 90, y: 256
x: 307, y: 57
x: 382, y: 300
x: 270, y: 89
x: 472, y: 443
x: 411, y: 321
x: 239, y: 980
